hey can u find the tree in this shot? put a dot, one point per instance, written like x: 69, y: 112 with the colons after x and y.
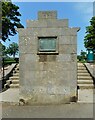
x: 89, y: 39
x: 10, y: 20
x: 3, y: 50
x: 82, y: 56
x: 12, y: 49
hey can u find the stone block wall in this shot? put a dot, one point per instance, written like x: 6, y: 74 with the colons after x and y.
x: 48, y: 78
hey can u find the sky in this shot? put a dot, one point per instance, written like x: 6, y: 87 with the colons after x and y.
x: 78, y: 13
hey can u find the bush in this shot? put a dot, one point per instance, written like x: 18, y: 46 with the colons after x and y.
x: 9, y: 61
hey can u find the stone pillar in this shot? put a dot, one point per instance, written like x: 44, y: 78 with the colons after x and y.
x: 48, y: 60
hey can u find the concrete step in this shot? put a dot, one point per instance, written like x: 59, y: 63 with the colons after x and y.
x: 85, y: 78
x: 86, y: 86
x: 85, y: 82
x: 14, y: 86
x: 15, y: 82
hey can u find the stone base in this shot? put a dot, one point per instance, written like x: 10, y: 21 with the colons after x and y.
x: 47, y: 100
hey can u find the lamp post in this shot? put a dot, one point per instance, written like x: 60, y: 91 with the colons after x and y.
x: 3, y: 77
x: 3, y: 67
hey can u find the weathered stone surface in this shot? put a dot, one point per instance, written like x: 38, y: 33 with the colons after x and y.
x: 67, y: 49
x: 47, y: 15
x: 63, y: 57
x: 48, y: 78
x: 68, y: 40
x: 43, y: 32
x: 43, y: 23
x: 42, y: 58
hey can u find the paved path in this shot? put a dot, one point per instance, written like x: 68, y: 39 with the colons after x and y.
x: 82, y: 109
x: 11, y: 95
x: 77, y: 110
x: 86, y: 96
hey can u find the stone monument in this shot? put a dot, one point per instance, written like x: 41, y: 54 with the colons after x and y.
x: 48, y: 60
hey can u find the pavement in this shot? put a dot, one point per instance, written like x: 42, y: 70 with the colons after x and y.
x: 10, y: 95
x: 86, y: 95
x: 74, y: 110
x: 82, y: 109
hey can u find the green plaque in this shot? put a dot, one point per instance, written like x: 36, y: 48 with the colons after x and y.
x: 47, y: 44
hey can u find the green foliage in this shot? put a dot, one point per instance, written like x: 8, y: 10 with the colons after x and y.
x: 9, y: 61
x: 4, y: 50
x: 89, y: 39
x: 10, y: 20
x: 12, y: 49
x: 82, y: 57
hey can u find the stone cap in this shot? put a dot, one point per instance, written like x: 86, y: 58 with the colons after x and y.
x: 47, y: 15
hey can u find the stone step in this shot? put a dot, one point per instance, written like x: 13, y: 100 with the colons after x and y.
x: 14, y: 86
x: 85, y: 78
x: 15, y: 82
x: 14, y: 78
x: 80, y: 64
x: 82, y: 71
x: 16, y: 74
x: 81, y: 68
x: 17, y: 65
x: 83, y: 74
x: 85, y: 82
x: 9, y: 81
x: 16, y: 69
x: 85, y: 86
x: 6, y: 86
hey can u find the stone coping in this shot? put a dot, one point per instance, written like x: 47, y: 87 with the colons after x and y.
x: 90, y: 69
x: 8, y: 71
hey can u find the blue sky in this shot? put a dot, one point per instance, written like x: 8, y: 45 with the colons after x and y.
x: 78, y: 13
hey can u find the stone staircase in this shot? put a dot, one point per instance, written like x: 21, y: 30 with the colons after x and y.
x: 84, y: 81
x: 13, y: 81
